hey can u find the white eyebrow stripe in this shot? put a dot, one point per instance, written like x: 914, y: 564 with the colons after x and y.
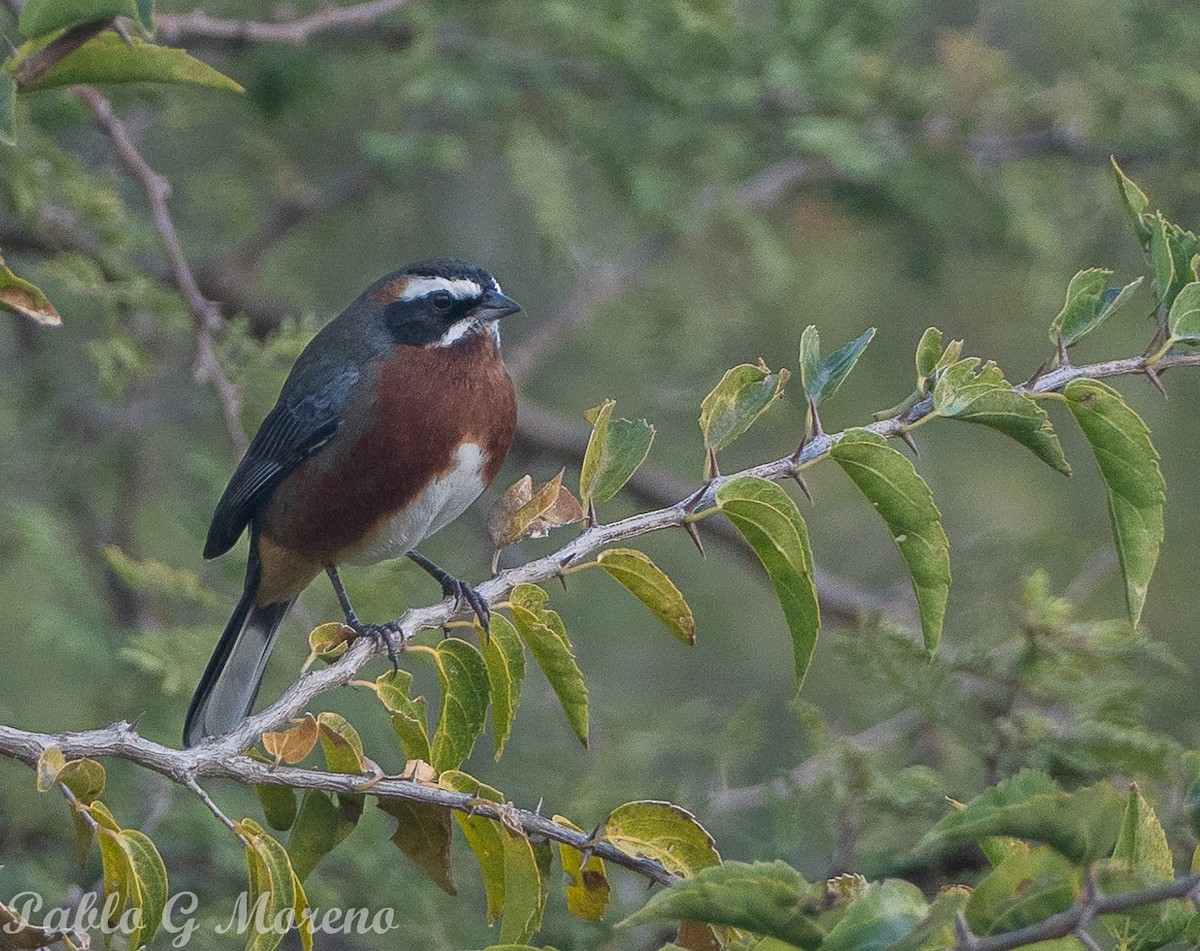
x: 459, y: 288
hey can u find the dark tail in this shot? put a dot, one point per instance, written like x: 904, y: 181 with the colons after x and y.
x: 235, y: 670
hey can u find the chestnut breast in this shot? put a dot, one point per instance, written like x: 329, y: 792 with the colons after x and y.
x: 418, y: 446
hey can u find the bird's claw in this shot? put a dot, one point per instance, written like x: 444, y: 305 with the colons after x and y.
x: 385, y: 634
x: 463, y: 593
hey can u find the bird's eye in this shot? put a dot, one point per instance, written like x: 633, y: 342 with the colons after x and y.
x: 441, y: 300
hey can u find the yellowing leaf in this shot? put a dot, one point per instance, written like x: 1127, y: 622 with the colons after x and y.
x: 20, y: 297
x: 742, y: 395
x: 49, y: 765
x: 769, y: 520
x: 270, y: 877
x: 903, y: 500
x: 465, y: 692
x: 974, y: 394
x: 504, y: 658
x: 587, y: 882
x: 408, y: 715
x: 767, y: 898
x: 292, y: 745
x: 1142, y: 842
x: 483, y: 836
x: 107, y: 58
x: 327, y: 642
x: 423, y: 835
x: 340, y: 743
x: 650, y: 585
x: 615, y: 450
x: 1128, y: 463
x: 546, y: 637
x: 664, y: 832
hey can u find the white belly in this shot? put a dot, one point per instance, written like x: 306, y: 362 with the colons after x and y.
x: 436, y: 507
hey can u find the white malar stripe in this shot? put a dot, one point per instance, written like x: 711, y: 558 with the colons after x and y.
x: 459, y: 288
x: 456, y: 331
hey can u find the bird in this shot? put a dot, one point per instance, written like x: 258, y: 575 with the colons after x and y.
x: 391, y: 422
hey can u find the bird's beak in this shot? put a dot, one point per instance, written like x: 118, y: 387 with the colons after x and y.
x: 494, y: 306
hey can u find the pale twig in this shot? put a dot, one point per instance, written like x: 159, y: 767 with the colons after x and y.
x: 205, y: 314
x: 198, y: 25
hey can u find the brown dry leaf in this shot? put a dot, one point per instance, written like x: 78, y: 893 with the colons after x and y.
x: 525, y: 512
x: 418, y: 771
x: 291, y: 746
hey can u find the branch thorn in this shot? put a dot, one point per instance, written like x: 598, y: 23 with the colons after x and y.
x: 1064, y: 360
x: 1153, y: 377
x: 799, y: 480
x: 907, y: 439
x: 694, y: 535
x: 713, y: 469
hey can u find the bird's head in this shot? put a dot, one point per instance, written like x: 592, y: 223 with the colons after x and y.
x: 440, y: 303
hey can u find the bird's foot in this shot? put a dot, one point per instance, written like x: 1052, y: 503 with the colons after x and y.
x: 463, y: 593
x: 390, y: 636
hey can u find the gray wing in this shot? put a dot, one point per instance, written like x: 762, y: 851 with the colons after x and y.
x: 295, y: 429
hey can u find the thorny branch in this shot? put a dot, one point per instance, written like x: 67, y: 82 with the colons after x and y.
x: 1073, y: 921
x: 221, y: 757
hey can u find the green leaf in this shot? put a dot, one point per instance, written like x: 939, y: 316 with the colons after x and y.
x: 18, y: 296
x: 505, y: 661
x: 733, y: 405
x: 523, y: 902
x: 649, y: 584
x: 903, y: 500
x: 1135, y: 202
x: 1026, y: 888
x: 769, y: 520
x: 8, y: 109
x: 464, y: 679
x: 423, y: 835
x: 546, y: 637
x: 270, y: 874
x: 40, y: 17
x: 1142, y: 842
x: 1128, y: 464
x: 822, y: 377
x: 884, y: 915
x: 587, y: 881
x: 279, y: 806
x: 107, y: 58
x: 615, y: 450
x: 1184, y: 319
x: 84, y: 777
x: 315, y: 833
x: 986, y: 397
x: 1081, y: 825
x: 1088, y: 305
x: 482, y: 834
x: 664, y: 832
x: 929, y: 351
x: 340, y: 743
x: 766, y: 898
x: 408, y: 715
x: 145, y: 9
x: 939, y: 930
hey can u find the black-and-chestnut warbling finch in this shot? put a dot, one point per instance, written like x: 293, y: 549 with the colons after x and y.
x: 394, y: 419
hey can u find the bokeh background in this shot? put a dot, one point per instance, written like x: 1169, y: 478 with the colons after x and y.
x: 669, y: 189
